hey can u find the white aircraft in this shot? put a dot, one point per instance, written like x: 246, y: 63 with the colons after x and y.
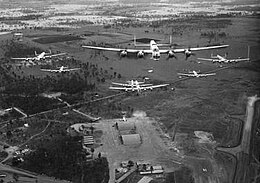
x: 40, y: 56
x: 26, y: 63
x: 155, y: 51
x: 221, y: 59
x: 135, y: 86
x: 5, y: 111
x: 195, y: 74
x: 132, y: 83
x: 60, y: 70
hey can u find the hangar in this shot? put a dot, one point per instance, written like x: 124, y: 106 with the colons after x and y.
x: 125, y: 126
x: 131, y: 139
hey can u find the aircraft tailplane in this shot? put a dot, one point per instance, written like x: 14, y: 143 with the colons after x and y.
x: 248, y: 51
x: 226, y: 54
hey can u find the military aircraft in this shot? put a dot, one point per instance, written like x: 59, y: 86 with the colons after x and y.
x: 195, y: 74
x: 40, y: 56
x: 26, y: 63
x: 154, y: 50
x: 60, y: 70
x: 5, y: 111
x: 132, y: 83
x: 223, y: 59
x: 135, y: 86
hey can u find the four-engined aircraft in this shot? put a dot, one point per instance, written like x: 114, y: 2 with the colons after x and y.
x: 26, y: 63
x: 155, y: 51
x: 195, y: 74
x: 134, y: 85
x: 223, y: 59
x: 60, y: 70
x: 40, y: 56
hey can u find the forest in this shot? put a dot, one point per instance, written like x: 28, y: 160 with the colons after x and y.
x: 62, y: 157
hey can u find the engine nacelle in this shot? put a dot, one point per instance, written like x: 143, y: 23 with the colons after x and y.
x: 188, y: 53
x: 171, y: 54
x: 140, y: 54
x: 123, y: 53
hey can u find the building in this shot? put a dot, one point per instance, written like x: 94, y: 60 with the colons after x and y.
x: 126, y: 128
x: 88, y: 140
x: 131, y: 139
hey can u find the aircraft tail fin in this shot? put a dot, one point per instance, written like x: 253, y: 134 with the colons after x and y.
x: 35, y: 53
x: 226, y: 55
x: 248, y: 51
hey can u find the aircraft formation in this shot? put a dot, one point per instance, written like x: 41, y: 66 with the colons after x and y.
x: 154, y: 51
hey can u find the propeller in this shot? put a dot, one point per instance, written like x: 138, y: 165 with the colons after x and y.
x: 188, y: 53
x: 140, y: 54
x: 226, y: 54
x: 123, y: 53
x: 171, y: 54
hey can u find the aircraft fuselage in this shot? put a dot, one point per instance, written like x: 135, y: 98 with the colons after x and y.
x: 155, y: 50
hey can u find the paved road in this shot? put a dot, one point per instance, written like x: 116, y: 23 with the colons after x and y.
x: 244, y: 145
x: 242, y: 151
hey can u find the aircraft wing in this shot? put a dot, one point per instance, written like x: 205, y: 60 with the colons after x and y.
x: 28, y: 58
x: 180, y: 50
x: 121, y: 84
x: 50, y: 70
x: 117, y: 49
x: 74, y: 69
x: 183, y: 74
x: 54, y: 55
x: 210, y: 74
x: 145, y: 85
x: 152, y: 87
x: 205, y: 59
x: 121, y: 88
x: 139, y: 82
x: 239, y: 60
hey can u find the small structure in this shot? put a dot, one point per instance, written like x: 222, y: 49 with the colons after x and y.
x: 125, y: 126
x: 79, y: 129
x: 51, y: 95
x: 88, y: 140
x: 152, y: 170
x: 18, y: 36
x: 131, y: 139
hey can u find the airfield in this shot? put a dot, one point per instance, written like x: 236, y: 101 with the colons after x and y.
x: 165, y: 119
